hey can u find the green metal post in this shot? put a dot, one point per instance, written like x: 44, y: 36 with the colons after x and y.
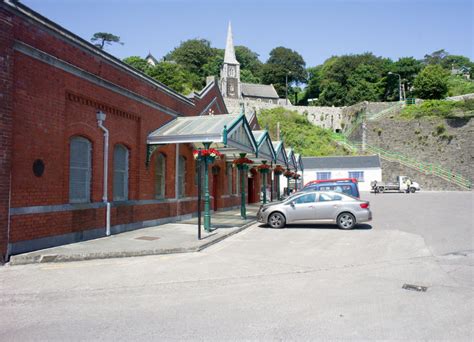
x: 278, y: 187
x: 207, y: 209
x: 243, y: 212
x: 264, y: 186
x: 288, y: 186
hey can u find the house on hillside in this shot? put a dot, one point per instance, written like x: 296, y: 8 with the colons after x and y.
x: 364, y: 168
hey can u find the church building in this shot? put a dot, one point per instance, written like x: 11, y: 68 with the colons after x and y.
x: 230, y: 84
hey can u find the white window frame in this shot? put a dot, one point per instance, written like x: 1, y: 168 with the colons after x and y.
x: 320, y: 174
x: 123, y: 173
x: 359, y: 175
x: 87, y: 170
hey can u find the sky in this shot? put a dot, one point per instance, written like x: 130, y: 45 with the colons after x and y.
x: 316, y: 29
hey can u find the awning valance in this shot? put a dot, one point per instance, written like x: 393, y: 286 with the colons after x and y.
x: 264, y: 146
x: 229, y: 133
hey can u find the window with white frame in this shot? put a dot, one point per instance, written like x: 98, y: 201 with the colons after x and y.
x: 80, y: 170
x: 359, y: 175
x: 120, y: 173
x: 181, y: 176
x: 323, y: 175
x: 160, y: 176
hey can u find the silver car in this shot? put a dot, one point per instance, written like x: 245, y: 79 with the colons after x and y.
x: 316, y: 207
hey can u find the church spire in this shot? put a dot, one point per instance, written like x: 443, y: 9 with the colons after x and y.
x: 229, y: 56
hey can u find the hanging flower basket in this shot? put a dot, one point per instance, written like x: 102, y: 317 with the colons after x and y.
x: 278, y: 170
x: 242, y: 161
x: 296, y: 176
x: 211, y: 154
x: 288, y: 174
x: 264, y: 168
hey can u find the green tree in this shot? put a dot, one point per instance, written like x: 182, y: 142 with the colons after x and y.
x: 282, y: 63
x: 247, y: 76
x: 313, y: 87
x: 138, y: 63
x: 100, y: 39
x: 407, y: 68
x: 431, y: 82
x: 248, y: 60
x: 436, y: 57
x: 192, y: 54
x: 175, y: 76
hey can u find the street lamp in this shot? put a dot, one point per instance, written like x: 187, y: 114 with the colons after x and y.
x: 399, y: 85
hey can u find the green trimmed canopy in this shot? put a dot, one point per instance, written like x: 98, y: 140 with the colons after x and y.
x: 292, y: 164
x: 264, y: 146
x: 228, y: 133
x: 280, y: 152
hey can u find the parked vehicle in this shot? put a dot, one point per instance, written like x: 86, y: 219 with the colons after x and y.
x: 399, y: 185
x: 346, y: 186
x: 316, y: 207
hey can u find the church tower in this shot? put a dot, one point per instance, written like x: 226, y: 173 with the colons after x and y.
x: 230, y: 72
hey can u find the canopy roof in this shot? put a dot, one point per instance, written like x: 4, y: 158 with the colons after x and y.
x: 280, y: 152
x: 291, y: 159
x: 299, y: 162
x: 264, y: 146
x: 229, y: 133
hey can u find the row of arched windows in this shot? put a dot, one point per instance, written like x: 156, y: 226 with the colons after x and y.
x: 80, y: 171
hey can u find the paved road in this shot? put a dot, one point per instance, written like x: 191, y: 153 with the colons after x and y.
x: 299, y: 283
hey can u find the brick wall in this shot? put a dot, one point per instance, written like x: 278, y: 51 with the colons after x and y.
x: 49, y: 104
x: 6, y: 75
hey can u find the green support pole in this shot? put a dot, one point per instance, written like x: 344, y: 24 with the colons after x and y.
x: 278, y: 187
x: 288, y: 186
x: 207, y: 209
x: 264, y: 188
x: 243, y: 212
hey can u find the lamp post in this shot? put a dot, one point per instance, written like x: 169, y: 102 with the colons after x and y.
x: 399, y: 85
x: 207, y: 209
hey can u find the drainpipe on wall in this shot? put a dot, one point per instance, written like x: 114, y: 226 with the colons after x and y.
x: 7, y: 255
x: 100, y: 119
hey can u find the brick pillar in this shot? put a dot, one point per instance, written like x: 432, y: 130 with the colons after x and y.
x: 6, y: 94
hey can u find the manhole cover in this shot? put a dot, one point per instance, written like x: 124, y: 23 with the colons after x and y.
x: 147, y: 238
x: 412, y: 287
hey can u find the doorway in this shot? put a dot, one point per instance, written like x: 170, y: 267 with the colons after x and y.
x: 215, y: 186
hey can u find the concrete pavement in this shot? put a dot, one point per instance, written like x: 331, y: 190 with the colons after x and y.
x: 180, y: 237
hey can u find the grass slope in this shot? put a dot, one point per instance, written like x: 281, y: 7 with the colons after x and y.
x: 299, y: 133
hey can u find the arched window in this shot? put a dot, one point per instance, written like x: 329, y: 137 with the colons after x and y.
x: 120, y: 173
x: 80, y: 170
x: 160, y: 176
x: 181, y: 176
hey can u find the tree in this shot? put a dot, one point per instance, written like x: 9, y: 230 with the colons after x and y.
x: 431, y: 83
x: 100, y: 39
x: 407, y: 68
x: 138, y: 63
x: 436, y: 57
x: 282, y: 63
x: 248, y: 60
x: 192, y: 54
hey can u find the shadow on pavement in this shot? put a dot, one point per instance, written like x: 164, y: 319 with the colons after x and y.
x: 362, y: 226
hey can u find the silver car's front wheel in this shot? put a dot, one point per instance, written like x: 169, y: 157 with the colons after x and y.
x: 276, y: 220
x: 346, y: 221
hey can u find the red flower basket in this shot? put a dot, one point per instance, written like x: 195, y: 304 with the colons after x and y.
x: 278, y: 170
x: 211, y: 153
x: 296, y: 176
x: 242, y: 161
x: 288, y: 174
x: 264, y: 168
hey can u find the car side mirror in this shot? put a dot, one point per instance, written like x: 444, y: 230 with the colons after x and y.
x: 292, y: 203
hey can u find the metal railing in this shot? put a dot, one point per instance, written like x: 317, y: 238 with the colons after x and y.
x: 427, y: 168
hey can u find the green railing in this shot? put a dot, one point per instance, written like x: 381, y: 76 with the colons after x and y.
x: 426, y: 168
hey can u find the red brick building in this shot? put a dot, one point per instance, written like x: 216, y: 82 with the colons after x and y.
x: 52, y: 149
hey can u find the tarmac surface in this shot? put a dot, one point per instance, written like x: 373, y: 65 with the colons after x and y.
x: 303, y: 282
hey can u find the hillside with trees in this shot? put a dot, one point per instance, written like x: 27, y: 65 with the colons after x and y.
x: 339, y: 81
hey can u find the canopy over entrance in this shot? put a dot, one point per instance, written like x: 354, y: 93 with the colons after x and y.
x: 230, y: 134
x: 291, y: 159
x: 280, y: 152
x: 264, y: 146
x: 299, y: 162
